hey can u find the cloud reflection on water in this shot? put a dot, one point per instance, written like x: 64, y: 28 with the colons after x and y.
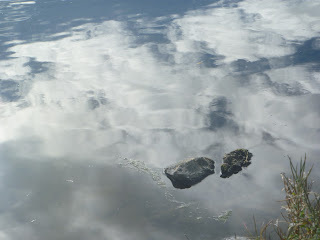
x: 226, y: 77
x: 251, y: 31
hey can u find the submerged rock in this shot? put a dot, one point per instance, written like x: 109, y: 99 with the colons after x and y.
x: 189, y: 172
x: 234, y: 161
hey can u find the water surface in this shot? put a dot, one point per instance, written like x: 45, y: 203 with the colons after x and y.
x: 97, y: 97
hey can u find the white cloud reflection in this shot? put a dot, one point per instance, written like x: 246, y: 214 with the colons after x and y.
x: 99, y: 95
x: 253, y: 30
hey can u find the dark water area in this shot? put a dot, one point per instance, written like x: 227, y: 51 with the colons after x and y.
x: 98, y: 97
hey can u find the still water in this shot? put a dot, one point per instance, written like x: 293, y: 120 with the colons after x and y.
x: 97, y: 97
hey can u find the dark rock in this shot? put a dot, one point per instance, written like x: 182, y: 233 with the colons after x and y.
x: 189, y: 172
x: 234, y: 161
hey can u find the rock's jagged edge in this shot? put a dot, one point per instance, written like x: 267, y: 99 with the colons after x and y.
x: 189, y: 172
x: 234, y: 161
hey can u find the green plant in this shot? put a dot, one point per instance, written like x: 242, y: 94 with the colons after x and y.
x: 302, y: 205
x: 302, y: 216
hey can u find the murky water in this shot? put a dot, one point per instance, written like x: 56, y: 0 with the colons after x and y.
x: 97, y: 97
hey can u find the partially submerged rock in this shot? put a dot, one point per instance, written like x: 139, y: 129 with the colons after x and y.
x: 234, y: 161
x: 189, y: 172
